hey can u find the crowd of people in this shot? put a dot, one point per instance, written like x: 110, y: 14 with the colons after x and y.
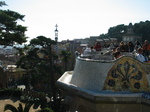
x: 142, y: 51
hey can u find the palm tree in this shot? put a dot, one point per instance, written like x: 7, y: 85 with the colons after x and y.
x: 66, y: 56
x: 18, y: 109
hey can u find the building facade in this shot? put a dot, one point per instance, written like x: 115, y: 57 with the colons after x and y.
x: 131, y: 36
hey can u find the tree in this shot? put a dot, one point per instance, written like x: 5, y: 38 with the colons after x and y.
x: 2, y: 3
x: 40, y: 65
x: 10, y: 32
x: 48, y: 66
x: 18, y: 109
x: 30, y: 62
x: 66, y: 56
x: 143, y: 28
x: 117, y: 31
x: 22, y: 50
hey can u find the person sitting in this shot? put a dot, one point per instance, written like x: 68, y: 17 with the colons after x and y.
x: 122, y: 47
x: 146, y: 48
x: 92, y: 49
x: 87, y: 51
x: 98, y: 46
x: 139, y: 55
x: 137, y: 45
x: 117, y: 55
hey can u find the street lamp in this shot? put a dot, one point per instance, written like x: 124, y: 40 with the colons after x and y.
x: 56, y: 33
x: 56, y: 39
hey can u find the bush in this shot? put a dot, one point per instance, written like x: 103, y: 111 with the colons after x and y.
x: 11, y: 91
x: 17, y: 93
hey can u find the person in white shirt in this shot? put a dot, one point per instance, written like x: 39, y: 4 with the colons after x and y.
x: 87, y: 51
x: 140, y: 56
x: 92, y: 49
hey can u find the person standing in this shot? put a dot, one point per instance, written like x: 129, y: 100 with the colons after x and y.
x: 130, y: 47
x: 137, y: 45
x: 148, y: 48
x: 145, y: 47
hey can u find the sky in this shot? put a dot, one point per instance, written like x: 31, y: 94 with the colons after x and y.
x: 77, y: 19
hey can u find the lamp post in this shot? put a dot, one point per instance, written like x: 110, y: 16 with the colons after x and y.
x: 56, y: 39
x: 56, y: 33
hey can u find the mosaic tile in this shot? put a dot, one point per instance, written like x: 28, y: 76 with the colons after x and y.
x: 127, y: 75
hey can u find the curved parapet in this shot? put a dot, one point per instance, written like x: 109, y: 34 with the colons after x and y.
x: 123, y: 74
x: 90, y: 74
x: 95, y: 85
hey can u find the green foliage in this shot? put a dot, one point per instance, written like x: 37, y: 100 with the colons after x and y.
x: 17, y: 92
x: 103, y: 36
x: 11, y: 91
x: 47, y: 110
x: 66, y: 56
x: 2, y: 3
x: 143, y: 28
x: 39, y: 62
x: 10, y: 31
x: 117, y: 31
x: 42, y: 41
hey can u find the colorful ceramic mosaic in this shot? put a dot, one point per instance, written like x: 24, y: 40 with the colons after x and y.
x: 127, y: 75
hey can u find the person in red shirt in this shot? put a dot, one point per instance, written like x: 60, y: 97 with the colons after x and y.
x: 145, y: 48
x: 98, y: 46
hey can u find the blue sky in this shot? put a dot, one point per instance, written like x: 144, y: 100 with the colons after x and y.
x: 77, y: 18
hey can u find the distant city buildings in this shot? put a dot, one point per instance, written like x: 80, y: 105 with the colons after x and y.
x: 8, y: 53
x: 80, y: 44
